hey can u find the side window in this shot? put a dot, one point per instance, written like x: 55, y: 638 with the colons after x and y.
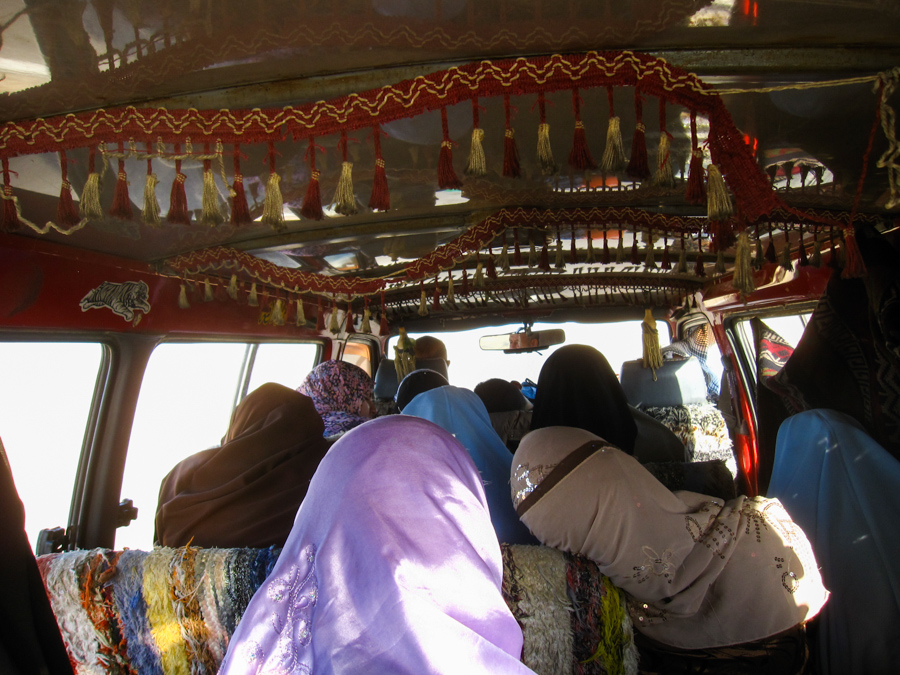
x: 359, y: 354
x: 187, y: 396
x: 46, y: 400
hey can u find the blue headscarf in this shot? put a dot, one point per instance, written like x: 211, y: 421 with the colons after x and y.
x: 462, y: 413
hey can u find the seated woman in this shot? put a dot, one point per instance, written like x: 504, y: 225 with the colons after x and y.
x: 578, y: 388
x: 699, y: 573
x: 415, y: 383
x: 392, y: 567
x: 462, y: 413
x: 342, y: 394
x: 509, y: 410
x: 245, y: 492
x: 840, y: 486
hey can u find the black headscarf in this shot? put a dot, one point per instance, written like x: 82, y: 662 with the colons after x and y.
x: 578, y: 388
x: 417, y: 382
x: 246, y: 492
x: 501, y: 396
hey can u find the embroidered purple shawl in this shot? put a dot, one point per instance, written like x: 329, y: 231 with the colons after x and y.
x: 392, y: 567
x: 338, y: 390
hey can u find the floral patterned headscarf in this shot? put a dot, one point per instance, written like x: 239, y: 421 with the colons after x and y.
x: 339, y: 390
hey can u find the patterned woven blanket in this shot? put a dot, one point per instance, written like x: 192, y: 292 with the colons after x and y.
x: 172, y: 611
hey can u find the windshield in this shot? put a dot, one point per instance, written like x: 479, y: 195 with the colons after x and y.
x: 469, y: 365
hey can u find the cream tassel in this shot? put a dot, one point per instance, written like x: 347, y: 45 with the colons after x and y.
x: 816, y: 258
x: 786, y: 255
x: 182, y: 298
x: 423, y: 303
x: 207, y: 291
x: 273, y: 206
x: 743, y: 267
x: 477, y: 165
x: 333, y: 326
x: 652, y: 357
x: 503, y: 259
x: 614, y: 160
x: 366, y: 325
x: 211, y: 213
x: 478, y: 279
x: 253, y: 299
x: 545, y: 151
x: 560, y: 262
x: 664, y: 175
x: 451, y: 291
x: 278, y: 312
x: 150, y: 212
x: 532, y: 253
x: 232, y: 289
x: 591, y: 258
x: 344, y: 198
x: 301, y: 317
x: 89, y: 207
x: 404, y: 356
x: 620, y: 249
x: 718, y: 201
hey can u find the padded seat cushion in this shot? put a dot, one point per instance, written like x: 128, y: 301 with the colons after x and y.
x: 678, y: 382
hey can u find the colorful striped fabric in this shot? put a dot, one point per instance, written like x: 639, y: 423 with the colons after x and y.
x: 171, y: 611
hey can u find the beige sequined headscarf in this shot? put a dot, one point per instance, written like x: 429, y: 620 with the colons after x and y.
x: 699, y: 573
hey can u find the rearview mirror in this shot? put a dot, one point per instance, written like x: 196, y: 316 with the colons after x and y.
x: 523, y: 341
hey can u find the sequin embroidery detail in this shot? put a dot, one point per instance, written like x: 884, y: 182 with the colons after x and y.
x: 660, y: 565
x: 713, y: 534
x: 527, y: 478
x: 295, y: 592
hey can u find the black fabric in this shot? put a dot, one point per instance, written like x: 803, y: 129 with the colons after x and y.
x: 578, y: 388
x: 30, y: 641
x: 501, y: 396
x: 415, y: 383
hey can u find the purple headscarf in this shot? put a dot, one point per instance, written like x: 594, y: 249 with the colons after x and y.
x: 392, y: 567
x: 338, y: 390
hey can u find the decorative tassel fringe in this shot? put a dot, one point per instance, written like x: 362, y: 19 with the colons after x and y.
x: 349, y: 321
x: 490, y: 267
x: 478, y: 279
x: 591, y: 258
x: 650, y: 258
x: 89, y: 206
x: 652, y: 356
x: 380, y: 200
x: 695, y: 191
x: 183, y: 298
x: 635, y: 256
x: 121, y: 206
x: 312, y: 202
x: 517, y: 251
x: 664, y: 175
x: 854, y: 265
x: 384, y: 327
x: 240, y: 211
x: 620, y: 249
x: 666, y: 258
x: 150, y: 212
x: 66, y: 211
x: 333, y: 326
x: 816, y: 258
x: 366, y: 326
x: 759, y: 258
x: 207, y: 291
x: 681, y: 267
x: 178, y: 206
x: 253, y: 297
x: 211, y: 213
x: 573, y: 248
x: 436, y: 297
x: 273, y: 206
x: 404, y: 356
x: 477, y: 164
x: 447, y: 179
x: 718, y: 202
x: 743, y: 269
x: 720, y: 262
x: 10, y: 222
x: 560, y: 262
x: 544, y: 150
x: 278, y: 312
x: 607, y: 258
x: 614, y: 154
x: 232, y: 289
x: 545, y: 258
x: 465, y: 281
x: 699, y: 267
x: 804, y: 257
x: 300, y: 318
x: 451, y: 291
x: 771, y: 255
x: 423, y: 300
x: 785, y: 262
x: 638, y: 167
x: 503, y: 260
x: 320, y: 316
x: 580, y: 156
x: 532, y: 254
x: 511, y: 168
x: 344, y: 198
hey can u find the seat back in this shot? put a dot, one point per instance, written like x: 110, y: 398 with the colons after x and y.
x: 678, y: 382
x: 386, y: 381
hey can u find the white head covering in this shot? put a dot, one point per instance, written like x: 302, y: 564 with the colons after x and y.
x: 699, y: 572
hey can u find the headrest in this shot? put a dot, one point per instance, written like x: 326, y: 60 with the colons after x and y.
x: 386, y: 376
x: 417, y: 382
x: 678, y: 382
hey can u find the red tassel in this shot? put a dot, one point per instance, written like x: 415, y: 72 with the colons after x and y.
x: 638, y: 167
x: 573, y: 249
x: 695, y: 192
x: 320, y: 317
x: 464, y: 285
x: 517, y: 252
x: 606, y: 258
x: 178, y: 207
x: 350, y: 327
x: 436, y: 298
x: 447, y: 179
x: 121, y: 206
x: 666, y: 259
x: 66, y: 211
x: 854, y: 265
x: 381, y: 198
x: 545, y: 257
x: 699, y: 268
x: 804, y: 258
x: 635, y: 254
x: 384, y: 328
x: 580, y: 155
x: 511, y: 168
x: 240, y: 212
x: 490, y: 268
x: 10, y: 221
x: 771, y: 253
x: 312, y: 203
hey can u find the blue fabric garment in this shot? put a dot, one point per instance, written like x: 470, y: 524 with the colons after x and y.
x: 462, y: 413
x: 843, y: 489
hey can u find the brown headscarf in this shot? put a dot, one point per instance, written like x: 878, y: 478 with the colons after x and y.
x: 246, y: 492
x: 699, y: 572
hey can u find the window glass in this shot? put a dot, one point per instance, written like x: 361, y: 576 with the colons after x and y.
x: 185, y: 405
x: 45, y: 401
x: 286, y: 364
x: 469, y: 364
